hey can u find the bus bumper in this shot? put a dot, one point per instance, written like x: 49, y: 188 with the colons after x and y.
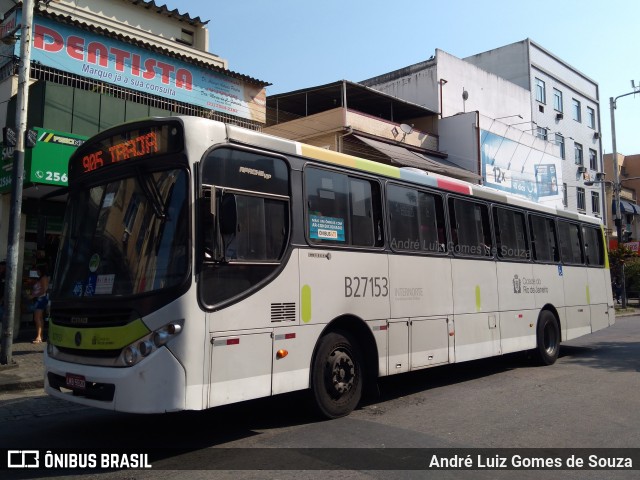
x: 157, y: 384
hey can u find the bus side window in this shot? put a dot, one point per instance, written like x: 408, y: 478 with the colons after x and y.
x: 342, y: 210
x: 544, y: 239
x: 362, y: 227
x: 570, y: 242
x: 470, y: 228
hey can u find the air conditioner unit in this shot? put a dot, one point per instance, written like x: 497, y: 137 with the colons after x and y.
x: 600, y: 176
x: 596, y: 135
x: 582, y: 169
x: 559, y: 116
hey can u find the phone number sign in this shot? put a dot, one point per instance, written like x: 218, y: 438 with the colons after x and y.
x: 46, y: 163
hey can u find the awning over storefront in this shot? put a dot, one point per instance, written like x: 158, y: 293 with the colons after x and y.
x: 626, y: 207
x: 407, y: 158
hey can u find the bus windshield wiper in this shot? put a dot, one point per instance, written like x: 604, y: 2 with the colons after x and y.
x: 153, y: 195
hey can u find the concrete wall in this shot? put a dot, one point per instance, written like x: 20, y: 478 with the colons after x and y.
x: 510, y: 62
x: 487, y: 93
x: 416, y: 84
x: 459, y: 140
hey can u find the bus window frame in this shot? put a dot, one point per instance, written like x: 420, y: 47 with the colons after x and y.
x: 528, y: 239
x: 204, y: 208
x: 349, y: 174
x: 492, y: 257
x: 560, y: 220
x: 533, y: 213
x: 596, y: 227
x: 443, y: 197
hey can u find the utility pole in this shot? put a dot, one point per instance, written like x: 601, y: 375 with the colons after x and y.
x: 617, y: 185
x: 17, y: 178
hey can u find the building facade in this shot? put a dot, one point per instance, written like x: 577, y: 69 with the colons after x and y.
x: 564, y: 106
x: 351, y: 118
x: 484, y: 124
x: 95, y: 64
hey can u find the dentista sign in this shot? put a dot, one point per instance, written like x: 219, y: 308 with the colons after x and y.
x: 90, y: 55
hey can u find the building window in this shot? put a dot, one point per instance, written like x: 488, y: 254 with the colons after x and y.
x: 591, y: 118
x: 542, y: 133
x: 565, y: 201
x: 541, y: 95
x: 557, y: 100
x: 578, y: 154
x: 560, y: 143
x: 593, y: 159
x: 595, y: 202
x: 577, y: 113
x: 581, y: 199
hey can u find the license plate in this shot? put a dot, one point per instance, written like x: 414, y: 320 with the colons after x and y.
x: 75, y: 382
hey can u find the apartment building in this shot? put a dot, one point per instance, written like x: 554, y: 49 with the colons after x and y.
x: 564, y: 109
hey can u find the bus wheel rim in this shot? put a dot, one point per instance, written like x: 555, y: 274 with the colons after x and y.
x: 341, y: 371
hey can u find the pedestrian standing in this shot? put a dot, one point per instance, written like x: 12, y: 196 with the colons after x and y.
x: 40, y: 299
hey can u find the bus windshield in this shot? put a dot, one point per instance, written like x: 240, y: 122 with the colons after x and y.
x: 125, y: 237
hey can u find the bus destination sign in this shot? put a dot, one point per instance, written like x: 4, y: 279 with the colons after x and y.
x: 143, y: 142
x: 136, y: 147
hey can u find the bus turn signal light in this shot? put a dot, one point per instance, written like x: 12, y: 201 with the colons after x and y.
x: 281, y: 354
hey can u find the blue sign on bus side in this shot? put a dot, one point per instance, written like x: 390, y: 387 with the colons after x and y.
x: 326, y: 228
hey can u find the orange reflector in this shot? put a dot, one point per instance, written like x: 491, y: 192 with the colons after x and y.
x: 281, y: 353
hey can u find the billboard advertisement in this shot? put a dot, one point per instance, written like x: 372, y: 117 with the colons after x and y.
x: 520, y: 169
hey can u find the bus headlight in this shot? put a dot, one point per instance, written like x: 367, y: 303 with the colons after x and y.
x: 145, y: 346
x: 130, y: 355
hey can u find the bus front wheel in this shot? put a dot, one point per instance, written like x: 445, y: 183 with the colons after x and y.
x: 337, y: 373
x: 548, y: 339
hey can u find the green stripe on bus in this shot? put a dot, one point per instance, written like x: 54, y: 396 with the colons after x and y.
x: 478, y: 299
x: 99, y: 338
x: 588, y: 296
x: 378, y: 168
x: 305, y: 303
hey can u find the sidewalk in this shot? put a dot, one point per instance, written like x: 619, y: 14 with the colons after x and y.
x: 28, y: 370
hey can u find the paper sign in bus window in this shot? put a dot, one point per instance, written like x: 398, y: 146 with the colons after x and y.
x: 326, y: 228
x: 104, y: 284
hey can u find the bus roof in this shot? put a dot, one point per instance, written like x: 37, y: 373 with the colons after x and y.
x: 412, y: 175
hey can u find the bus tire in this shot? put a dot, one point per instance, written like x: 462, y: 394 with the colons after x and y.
x: 337, y: 375
x: 548, y: 339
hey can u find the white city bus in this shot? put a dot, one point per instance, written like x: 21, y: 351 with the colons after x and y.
x: 202, y: 264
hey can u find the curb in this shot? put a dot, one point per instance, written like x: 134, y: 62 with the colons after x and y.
x: 13, y: 387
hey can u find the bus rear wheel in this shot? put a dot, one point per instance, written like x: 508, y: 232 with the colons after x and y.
x: 548, y: 339
x: 336, y: 376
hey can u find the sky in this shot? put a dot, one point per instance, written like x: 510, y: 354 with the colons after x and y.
x: 294, y: 44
